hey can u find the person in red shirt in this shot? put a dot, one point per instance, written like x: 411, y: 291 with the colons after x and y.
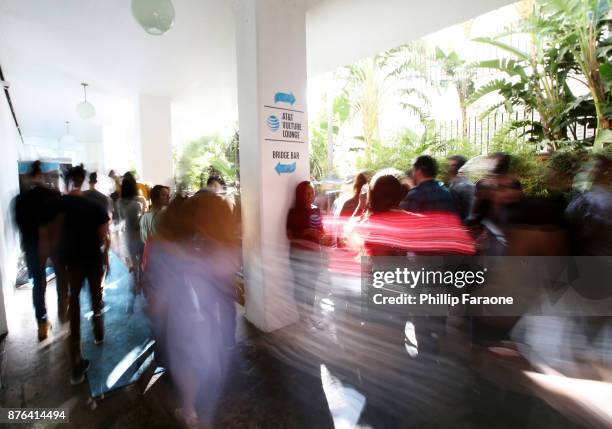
x: 387, y: 230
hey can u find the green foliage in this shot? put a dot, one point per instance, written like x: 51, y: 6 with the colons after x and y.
x: 506, y: 65
x: 526, y: 164
x: 531, y: 171
x: 605, y: 70
x: 232, y: 152
x: 407, y: 65
x: 366, y: 84
x: 535, y: 82
x: 206, y: 156
x: 318, y: 150
x: 341, y: 107
x: 505, y: 141
x: 396, y: 71
x: 580, y: 30
x: 401, y: 151
x: 461, y: 76
x: 460, y: 146
x: 567, y: 162
x: 318, y: 135
x: 604, y: 138
x: 570, y: 40
x: 504, y: 47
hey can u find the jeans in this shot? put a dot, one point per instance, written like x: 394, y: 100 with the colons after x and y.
x: 36, y: 270
x: 77, y: 274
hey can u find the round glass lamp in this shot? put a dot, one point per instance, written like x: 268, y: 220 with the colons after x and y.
x: 67, y: 139
x: 155, y: 16
x: 85, y: 109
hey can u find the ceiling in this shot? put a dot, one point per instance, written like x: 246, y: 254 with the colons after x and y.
x: 343, y: 31
x: 48, y: 47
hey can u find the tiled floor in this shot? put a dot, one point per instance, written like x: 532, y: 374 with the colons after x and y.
x: 343, y: 372
x: 37, y: 375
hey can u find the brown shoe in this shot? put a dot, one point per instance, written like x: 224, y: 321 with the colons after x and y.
x: 43, y: 330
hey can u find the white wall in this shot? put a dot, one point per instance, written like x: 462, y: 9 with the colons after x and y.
x: 155, y: 120
x: 120, y: 148
x: 9, y: 187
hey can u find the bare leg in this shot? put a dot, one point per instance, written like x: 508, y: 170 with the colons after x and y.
x: 187, y: 384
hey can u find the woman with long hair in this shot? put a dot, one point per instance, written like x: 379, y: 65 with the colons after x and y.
x: 192, y: 261
x: 387, y: 230
x: 130, y: 210
x: 355, y: 205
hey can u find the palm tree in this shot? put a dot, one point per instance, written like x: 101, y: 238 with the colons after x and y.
x: 583, y: 26
x: 534, y: 80
x: 373, y: 80
x: 567, y: 42
x: 367, y: 88
x: 408, y: 65
x: 461, y: 76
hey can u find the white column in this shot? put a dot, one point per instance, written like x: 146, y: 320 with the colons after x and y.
x: 155, y: 126
x: 271, y: 58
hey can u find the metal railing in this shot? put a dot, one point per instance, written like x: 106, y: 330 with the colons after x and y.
x: 480, y: 131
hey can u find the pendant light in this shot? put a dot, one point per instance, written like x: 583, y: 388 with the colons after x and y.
x: 155, y: 16
x: 85, y: 109
x: 68, y: 139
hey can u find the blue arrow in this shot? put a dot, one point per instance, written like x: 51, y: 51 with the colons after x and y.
x: 284, y: 168
x: 281, y: 97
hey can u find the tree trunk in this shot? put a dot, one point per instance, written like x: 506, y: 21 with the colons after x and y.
x: 598, y: 91
x: 330, y: 134
x: 463, y: 107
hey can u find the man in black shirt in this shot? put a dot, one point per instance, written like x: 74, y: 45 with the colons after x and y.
x: 93, y: 194
x: 33, y: 215
x: 427, y: 196
x: 84, y: 247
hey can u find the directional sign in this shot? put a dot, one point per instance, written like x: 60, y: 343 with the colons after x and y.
x: 281, y: 97
x: 285, y: 168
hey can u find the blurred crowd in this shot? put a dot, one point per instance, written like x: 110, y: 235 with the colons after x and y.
x: 475, y: 207
x: 183, y: 251
x: 474, y: 210
x: 182, y: 256
x: 486, y: 196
